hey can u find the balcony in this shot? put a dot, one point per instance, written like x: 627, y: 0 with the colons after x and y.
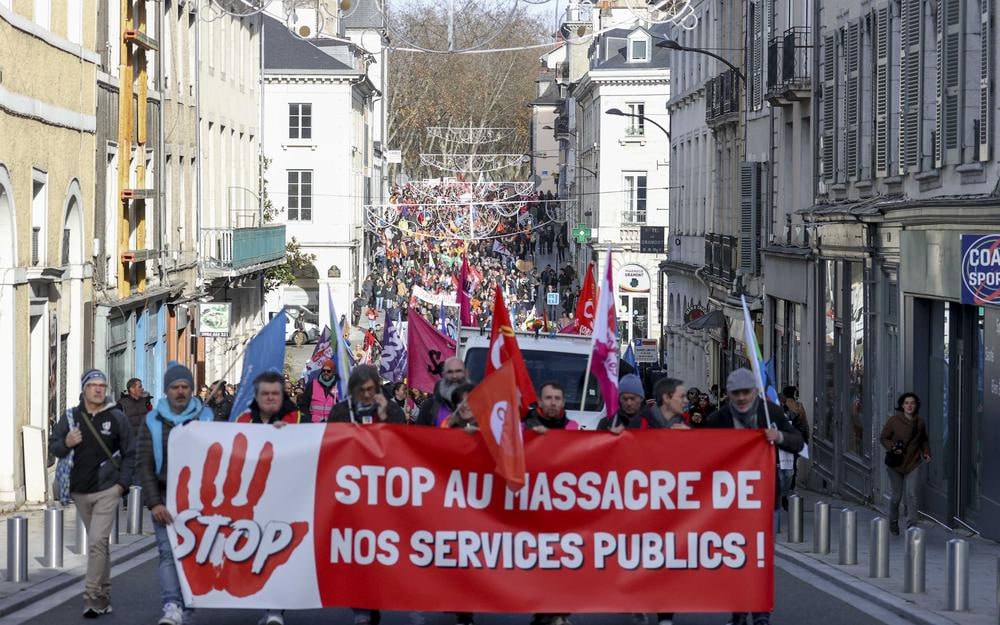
x: 720, y: 259
x: 788, y: 69
x: 722, y: 99
x: 232, y: 252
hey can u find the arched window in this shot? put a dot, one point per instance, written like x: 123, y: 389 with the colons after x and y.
x: 71, y: 245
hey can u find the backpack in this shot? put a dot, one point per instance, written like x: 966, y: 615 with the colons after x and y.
x: 64, y: 467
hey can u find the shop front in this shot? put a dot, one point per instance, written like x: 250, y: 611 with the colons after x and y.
x: 952, y: 341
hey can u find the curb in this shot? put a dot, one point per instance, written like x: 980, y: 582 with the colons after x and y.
x: 68, y: 578
x: 856, y: 586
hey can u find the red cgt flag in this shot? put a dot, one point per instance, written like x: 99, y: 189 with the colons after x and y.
x: 586, y: 307
x: 494, y: 404
x: 503, y: 348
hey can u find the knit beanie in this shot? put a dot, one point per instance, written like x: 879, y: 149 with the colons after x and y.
x: 631, y: 384
x: 177, y: 372
x: 93, y: 375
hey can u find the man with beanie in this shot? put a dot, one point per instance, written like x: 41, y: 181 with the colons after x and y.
x: 320, y: 393
x: 178, y: 408
x: 100, y: 438
x: 632, y: 412
x: 746, y: 410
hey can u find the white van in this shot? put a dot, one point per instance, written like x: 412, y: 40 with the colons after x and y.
x: 561, y: 358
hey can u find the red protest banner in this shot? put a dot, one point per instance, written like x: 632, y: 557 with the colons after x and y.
x: 654, y: 521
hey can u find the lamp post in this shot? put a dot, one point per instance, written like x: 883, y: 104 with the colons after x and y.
x: 562, y: 132
x: 621, y: 113
x: 670, y: 44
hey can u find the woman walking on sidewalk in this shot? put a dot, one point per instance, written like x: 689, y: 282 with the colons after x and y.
x: 906, y: 448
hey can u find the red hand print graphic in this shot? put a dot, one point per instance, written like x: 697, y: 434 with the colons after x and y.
x: 222, y: 547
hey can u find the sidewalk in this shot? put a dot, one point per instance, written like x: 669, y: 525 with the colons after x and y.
x: 42, y: 581
x: 925, y: 608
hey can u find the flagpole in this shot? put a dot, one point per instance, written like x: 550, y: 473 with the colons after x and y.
x: 586, y: 378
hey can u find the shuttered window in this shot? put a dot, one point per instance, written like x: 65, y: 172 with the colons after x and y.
x: 751, y: 193
x: 985, y: 79
x: 948, y: 39
x: 881, y: 89
x: 852, y: 100
x: 757, y: 54
x: 829, y: 150
x: 909, y: 85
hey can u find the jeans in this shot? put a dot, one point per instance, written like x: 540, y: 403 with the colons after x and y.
x: 170, y: 585
x: 904, y: 490
x: 98, y: 511
x: 378, y: 303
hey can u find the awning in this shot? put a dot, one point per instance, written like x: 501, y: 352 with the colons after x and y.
x: 714, y: 319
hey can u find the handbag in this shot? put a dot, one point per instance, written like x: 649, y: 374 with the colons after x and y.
x: 64, y: 467
x: 893, y: 460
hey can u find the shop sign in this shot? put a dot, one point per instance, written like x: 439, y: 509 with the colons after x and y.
x: 633, y: 279
x: 981, y: 269
x: 214, y: 319
x: 692, y: 312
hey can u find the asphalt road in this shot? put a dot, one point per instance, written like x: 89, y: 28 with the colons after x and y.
x: 136, y: 601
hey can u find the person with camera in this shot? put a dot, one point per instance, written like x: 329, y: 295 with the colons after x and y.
x: 100, y: 437
x: 365, y: 403
x: 904, y: 438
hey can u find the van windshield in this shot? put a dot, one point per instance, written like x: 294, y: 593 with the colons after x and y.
x: 566, y: 369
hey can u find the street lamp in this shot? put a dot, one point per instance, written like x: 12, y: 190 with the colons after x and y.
x: 621, y: 113
x: 670, y: 44
x: 564, y: 132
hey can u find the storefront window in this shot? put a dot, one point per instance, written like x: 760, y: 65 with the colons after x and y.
x: 976, y: 440
x: 640, y: 318
x: 936, y: 407
x: 857, y: 438
x: 829, y: 403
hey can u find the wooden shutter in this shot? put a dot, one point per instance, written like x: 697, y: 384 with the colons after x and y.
x: 909, y: 84
x: 986, y: 79
x: 852, y: 100
x: 757, y: 55
x: 881, y: 91
x: 750, y: 211
x: 829, y: 108
x: 948, y: 35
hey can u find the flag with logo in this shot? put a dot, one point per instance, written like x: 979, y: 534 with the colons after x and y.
x: 426, y: 351
x: 392, y: 363
x: 321, y: 352
x: 753, y: 354
x: 503, y: 347
x: 583, y: 322
x: 266, y: 352
x: 494, y: 404
x: 605, y: 353
x: 463, y: 295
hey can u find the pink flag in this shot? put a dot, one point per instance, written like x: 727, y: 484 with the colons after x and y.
x: 464, y: 303
x: 605, y: 355
x: 426, y: 351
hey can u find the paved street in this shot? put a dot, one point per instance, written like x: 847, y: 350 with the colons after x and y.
x: 136, y: 601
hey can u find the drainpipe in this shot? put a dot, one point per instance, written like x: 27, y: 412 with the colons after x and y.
x: 197, y: 140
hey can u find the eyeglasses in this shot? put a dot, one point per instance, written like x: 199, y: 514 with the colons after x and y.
x: 327, y: 370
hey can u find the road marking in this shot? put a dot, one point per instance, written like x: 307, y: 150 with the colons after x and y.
x: 55, y: 600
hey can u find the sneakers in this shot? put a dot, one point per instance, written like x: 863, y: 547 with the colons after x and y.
x: 93, y: 612
x: 272, y: 617
x: 172, y: 615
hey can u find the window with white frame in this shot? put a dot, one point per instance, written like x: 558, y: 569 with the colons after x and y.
x: 300, y: 195
x: 638, y: 49
x: 637, y: 123
x: 634, y: 192
x: 300, y: 121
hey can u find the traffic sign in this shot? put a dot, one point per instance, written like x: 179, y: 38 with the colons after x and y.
x: 581, y: 233
x: 646, y: 351
x: 552, y: 299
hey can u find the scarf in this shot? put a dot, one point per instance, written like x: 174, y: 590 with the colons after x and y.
x: 748, y: 419
x: 162, y: 412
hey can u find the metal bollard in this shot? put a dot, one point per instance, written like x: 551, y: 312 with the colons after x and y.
x: 958, y: 575
x: 80, y: 547
x: 795, y: 520
x: 914, y: 561
x: 821, y: 528
x: 53, y: 538
x: 878, y: 548
x: 17, y: 549
x: 114, y: 535
x: 133, y: 524
x: 848, y: 546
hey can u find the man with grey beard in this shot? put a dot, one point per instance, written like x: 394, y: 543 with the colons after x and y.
x: 438, y: 406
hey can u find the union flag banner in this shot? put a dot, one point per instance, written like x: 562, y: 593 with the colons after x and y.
x: 651, y: 521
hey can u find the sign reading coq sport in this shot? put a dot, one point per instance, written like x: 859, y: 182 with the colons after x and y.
x: 981, y: 269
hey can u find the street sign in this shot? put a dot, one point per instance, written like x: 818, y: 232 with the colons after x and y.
x: 646, y: 351
x: 651, y: 239
x: 552, y: 299
x: 581, y: 233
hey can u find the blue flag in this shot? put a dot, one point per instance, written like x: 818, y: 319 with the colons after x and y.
x: 266, y: 352
x: 770, y: 392
x: 629, y: 358
x: 392, y: 364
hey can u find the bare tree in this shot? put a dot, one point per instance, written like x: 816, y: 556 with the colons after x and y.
x: 461, y: 90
